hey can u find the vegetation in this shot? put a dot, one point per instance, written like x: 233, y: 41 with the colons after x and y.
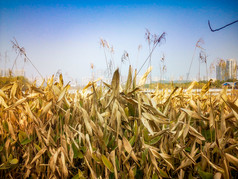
x: 217, y: 84
x: 109, y: 132
x: 7, y: 80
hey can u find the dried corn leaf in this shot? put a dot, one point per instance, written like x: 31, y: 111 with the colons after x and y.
x: 129, y: 149
x: 144, y: 77
x: 38, y: 155
x: 115, y: 84
x: 213, y: 165
x: 232, y: 159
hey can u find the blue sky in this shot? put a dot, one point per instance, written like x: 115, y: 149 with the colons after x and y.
x: 65, y: 35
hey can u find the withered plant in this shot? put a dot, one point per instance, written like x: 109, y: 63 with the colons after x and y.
x: 106, y: 131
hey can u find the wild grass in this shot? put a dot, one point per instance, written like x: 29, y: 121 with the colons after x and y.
x: 106, y: 131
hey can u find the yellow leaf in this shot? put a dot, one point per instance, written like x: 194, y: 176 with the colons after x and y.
x: 189, y: 90
x: 193, y: 114
x: 206, y: 87
x: 2, y: 94
x: 86, y: 121
x: 14, y: 161
x: 129, y: 80
x: 107, y: 163
x: 2, y: 102
x: 115, y: 84
x: 13, y: 90
x: 20, y: 101
x: 63, y: 93
x: 144, y: 77
x: 46, y: 108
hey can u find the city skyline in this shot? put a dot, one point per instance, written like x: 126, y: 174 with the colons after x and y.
x: 226, y: 69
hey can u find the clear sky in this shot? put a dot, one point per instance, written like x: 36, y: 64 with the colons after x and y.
x: 65, y: 35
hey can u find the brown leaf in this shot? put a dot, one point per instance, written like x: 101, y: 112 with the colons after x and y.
x: 195, y: 133
x: 213, y: 165
x: 64, y: 168
x: 115, y: 84
x: 129, y: 81
x: 129, y: 149
x: 144, y: 77
x: 232, y: 159
x: 38, y: 155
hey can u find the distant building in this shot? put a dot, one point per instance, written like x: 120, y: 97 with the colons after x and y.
x: 220, y: 73
x: 226, y: 70
x: 231, y: 69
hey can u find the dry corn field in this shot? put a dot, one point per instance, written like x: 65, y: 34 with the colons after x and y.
x: 110, y: 131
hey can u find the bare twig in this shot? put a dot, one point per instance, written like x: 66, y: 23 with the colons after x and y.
x: 162, y: 36
x: 15, y: 61
x: 125, y: 57
x: 137, y: 61
x: 103, y: 43
x: 214, y: 30
x: 21, y: 51
x: 110, y: 63
x: 200, y: 41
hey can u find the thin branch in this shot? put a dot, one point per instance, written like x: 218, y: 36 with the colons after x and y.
x: 213, y: 30
x: 198, y: 45
x: 15, y: 61
x: 162, y: 36
x: 21, y: 51
x: 35, y: 67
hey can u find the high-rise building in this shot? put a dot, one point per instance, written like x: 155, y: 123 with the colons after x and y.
x: 231, y: 69
x: 220, y: 70
x: 226, y: 69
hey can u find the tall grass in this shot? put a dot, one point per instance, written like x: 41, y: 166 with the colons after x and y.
x: 106, y: 131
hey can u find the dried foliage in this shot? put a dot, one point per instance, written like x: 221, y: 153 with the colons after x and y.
x: 108, y: 49
x: 109, y: 132
x: 157, y: 40
x: 199, y: 44
x: 125, y: 57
